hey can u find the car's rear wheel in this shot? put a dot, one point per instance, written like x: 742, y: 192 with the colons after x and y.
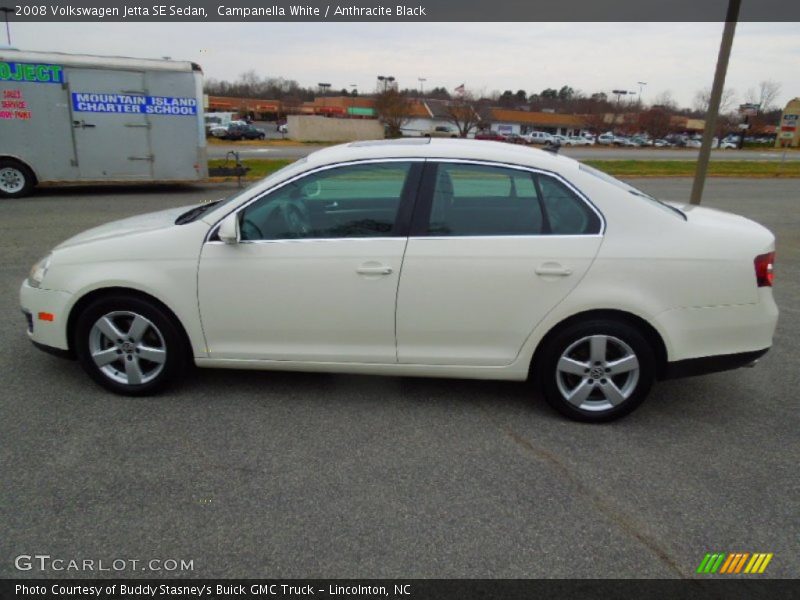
x: 597, y: 370
x: 129, y: 345
x: 16, y: 180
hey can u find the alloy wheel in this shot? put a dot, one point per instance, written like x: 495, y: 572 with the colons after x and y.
x: 597, y: 372
x: 127, y: 348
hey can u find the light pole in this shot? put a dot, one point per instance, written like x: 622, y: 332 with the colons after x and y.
x: 421, y: 80
x: 386, y: 80
x: 618, y: 94
x: 641, y: 87
x: 7, y: 10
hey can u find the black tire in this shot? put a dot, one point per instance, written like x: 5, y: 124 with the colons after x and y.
x: 159, y: 331
x: 612, y: 391
x: 16, y: 179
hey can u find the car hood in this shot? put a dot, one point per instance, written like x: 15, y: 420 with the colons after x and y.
x: 162, y: 219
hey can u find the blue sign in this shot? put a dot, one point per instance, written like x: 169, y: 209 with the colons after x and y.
x: 133, y: 103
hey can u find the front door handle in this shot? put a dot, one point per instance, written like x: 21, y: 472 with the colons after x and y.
x: 374, y: 270
x: 553, y: 270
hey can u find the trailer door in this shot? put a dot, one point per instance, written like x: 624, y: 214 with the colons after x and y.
x: 110, y: 125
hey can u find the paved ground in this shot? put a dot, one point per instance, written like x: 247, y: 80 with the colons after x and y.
x: 297, y: 151
x: 281, y: 475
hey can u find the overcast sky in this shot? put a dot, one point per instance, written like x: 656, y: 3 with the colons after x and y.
x: 678, y: 57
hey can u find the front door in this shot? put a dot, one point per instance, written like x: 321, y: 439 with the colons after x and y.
x: 110, y: 126
x: 493, y: 251
x: 315, y: 275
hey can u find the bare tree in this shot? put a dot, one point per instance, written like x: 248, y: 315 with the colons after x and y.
x: 665, y: 100
x: 703, y: 97
x: 656, y: 121
x: 462, y: 114
x: 765, y: 96
x: 394, y: 111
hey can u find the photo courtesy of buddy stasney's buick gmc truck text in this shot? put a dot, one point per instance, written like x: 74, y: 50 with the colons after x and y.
x: 202, y: 591
x: 422, y: 257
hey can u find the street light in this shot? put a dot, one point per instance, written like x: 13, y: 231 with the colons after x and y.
x: 386, y: 80
x: 324, y: 87
x: 618, y: 94
x: 421, y: 81
x: 7, y: 10
x: 641, y: 87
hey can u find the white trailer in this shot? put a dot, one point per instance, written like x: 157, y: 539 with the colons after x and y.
x: 67, y: 118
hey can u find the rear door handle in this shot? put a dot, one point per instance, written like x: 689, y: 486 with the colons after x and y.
x: 374, y: 270
x: 553, y: 271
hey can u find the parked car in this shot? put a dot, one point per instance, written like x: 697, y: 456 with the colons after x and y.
x: 661, y: 143
x: 728, y: 145
x: 489, y: 135
x: 441, y: 131
x: 218, y: 131
x: 606, y: 139
x: 283, y: 128
x: 514, y: 138
x: 588, y: 286
x: 538, y: 137
x: 578, y: 140
x: 246, y: 131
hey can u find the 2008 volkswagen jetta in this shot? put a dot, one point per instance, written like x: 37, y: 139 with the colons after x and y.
x: 441, y: 258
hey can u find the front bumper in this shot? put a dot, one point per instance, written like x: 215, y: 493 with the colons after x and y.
x: 36, y: 303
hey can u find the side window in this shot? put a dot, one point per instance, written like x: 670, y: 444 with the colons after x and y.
x: 344, y: 202
x: 567, y: 214
x: 475, y: 200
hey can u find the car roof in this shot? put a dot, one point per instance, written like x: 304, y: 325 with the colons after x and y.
x: 465, y: 149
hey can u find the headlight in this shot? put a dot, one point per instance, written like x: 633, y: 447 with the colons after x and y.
x: 38, y: 271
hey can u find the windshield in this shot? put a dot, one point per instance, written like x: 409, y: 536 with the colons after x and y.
x: 630, y: 189
x: 197, y: 212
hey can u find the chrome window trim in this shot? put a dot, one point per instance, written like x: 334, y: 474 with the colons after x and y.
x: 488, y: 163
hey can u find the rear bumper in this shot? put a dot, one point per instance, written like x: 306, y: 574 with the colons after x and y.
x: 711, y: 364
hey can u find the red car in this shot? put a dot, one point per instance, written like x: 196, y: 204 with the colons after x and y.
x: 490, y: 135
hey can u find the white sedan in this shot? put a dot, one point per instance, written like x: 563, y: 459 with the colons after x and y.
x: 440, y: 258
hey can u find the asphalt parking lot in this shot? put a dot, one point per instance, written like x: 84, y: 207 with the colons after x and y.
x: 300, y: 475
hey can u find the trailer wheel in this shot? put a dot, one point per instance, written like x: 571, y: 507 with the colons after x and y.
x: 16, y: 180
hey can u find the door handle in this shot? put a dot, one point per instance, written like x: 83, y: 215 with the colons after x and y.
x: 553, y: 270
x: 82, y: 124
x: 374, y: 270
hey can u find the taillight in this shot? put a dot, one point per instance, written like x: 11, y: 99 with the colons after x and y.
x: 764, y: 266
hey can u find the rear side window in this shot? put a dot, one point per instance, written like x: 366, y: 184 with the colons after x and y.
x: 482, y: 200
x: 567, y: 213
x: 474, y: 200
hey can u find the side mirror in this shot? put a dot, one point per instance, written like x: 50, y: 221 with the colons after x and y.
x: 229, y: 229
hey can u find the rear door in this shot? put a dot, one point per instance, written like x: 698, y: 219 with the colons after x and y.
x: 492, y: 250
x: 111, y: 129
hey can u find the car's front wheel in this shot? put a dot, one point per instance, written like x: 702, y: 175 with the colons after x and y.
x: 597, y: 370
x: 129, y: 345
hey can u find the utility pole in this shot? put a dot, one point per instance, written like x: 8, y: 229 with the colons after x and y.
x: 714, y: 101
x: 7, y: 10
x: 422, y: 80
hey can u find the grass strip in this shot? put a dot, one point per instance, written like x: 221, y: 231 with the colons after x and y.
x: 686, y: 168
